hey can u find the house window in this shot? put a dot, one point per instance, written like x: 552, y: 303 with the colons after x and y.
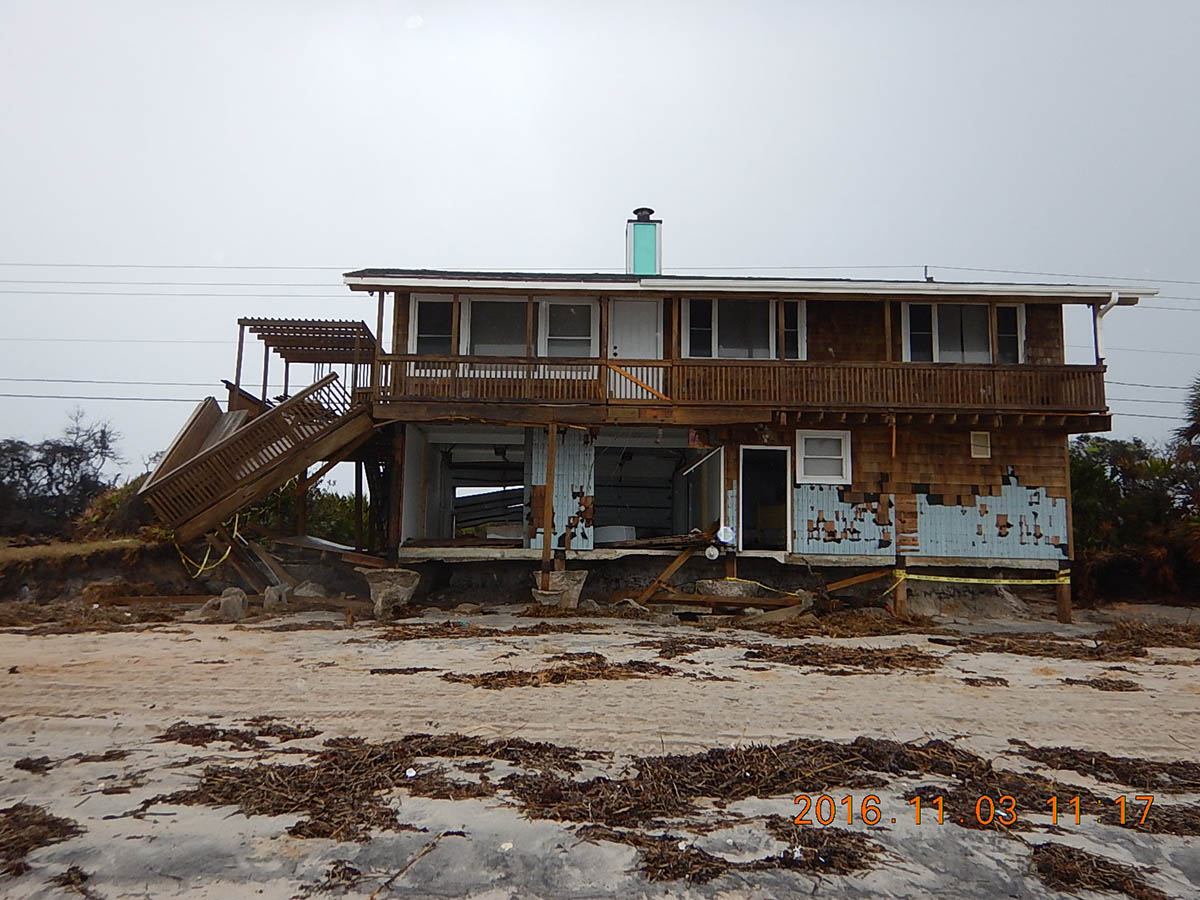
x: 947, y: 332
x: 823, y: 457
x: 1010, y: 330
x: 496, y: 327
x: 433, y: 326
x: 570, y: 330
x: 699, y: 328
x: 981, y: 445
x: 734, y: 329
x: 793, y: 329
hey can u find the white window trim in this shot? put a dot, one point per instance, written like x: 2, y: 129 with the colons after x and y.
x: 741, y: 498
x: 1020, y: 308
x: 906, y: 341
x: 847, y: 476
x: 685, y: 328
x: 413, y: 302
x: 801, y: 325
x: 543, y: 337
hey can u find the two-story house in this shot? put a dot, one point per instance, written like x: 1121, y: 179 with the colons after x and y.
x: 824, y: 422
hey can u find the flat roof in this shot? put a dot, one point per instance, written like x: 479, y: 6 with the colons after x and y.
x: 435, y: 280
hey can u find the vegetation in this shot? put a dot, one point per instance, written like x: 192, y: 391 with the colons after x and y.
x: 1136, y: 511
x: 328, y: 515
x: 44, y: 486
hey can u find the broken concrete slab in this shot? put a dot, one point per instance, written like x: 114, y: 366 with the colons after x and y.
x: 232, y: 604
x: 277, y: 598
x: 312, y: 590
x: 568, y: 582
x: 389, y: 588
x: 798, y: 613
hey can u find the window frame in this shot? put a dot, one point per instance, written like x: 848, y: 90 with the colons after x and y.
x: 1020, y: 308
x: 465, y: 302
x: 847, y: 476
x: 993, y: 332
x: 685, y: 329
x: 542, y: 341
x: 987, y: 444
x: 414, y: 319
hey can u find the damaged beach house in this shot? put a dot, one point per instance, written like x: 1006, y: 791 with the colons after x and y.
x: 641, y: 426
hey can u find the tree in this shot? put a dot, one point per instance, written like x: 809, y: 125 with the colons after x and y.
x: 1189, y: 431
x: 44, y: 485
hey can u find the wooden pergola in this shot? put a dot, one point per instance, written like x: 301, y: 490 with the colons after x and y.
x: 318, y: 341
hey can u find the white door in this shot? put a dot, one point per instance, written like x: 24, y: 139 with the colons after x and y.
x: 634, y: 333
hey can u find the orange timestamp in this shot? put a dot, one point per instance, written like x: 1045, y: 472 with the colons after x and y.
x: 1002, y: 810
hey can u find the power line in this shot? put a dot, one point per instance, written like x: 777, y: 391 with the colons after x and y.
x: 105, y: 381
x: 1190, y: 309
x: 1167, y: 387
x: 1149, y: 416
x: 82, y: 397
x: 1144, y: 400
x: 176, y: 294
x: 40, y: 265
x: 1067, y: 274
x: 171, y: 283
x: 23, y: 340
x: 1140, y: 350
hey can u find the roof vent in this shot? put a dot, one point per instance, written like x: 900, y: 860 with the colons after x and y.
x: 643, y: 243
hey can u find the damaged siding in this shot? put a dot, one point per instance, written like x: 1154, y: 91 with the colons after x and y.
x: 1018, y: 523
x: 830, y: 520
x: 574, y: 487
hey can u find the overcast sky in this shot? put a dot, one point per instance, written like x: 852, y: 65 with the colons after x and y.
x: 1048, y: 137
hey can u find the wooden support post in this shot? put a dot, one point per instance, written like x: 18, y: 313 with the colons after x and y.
x: 672, y: 567
x: 780, y: 348
x: 887, y: 329
x: 731, y: 564
x: 358, y: 504
x: 455, y: 325
x: 266, y: 366
x: 375, y: 363
x: 287, y: 370
x: 395, y: 492
x: 993, y: 334
x: 302, y: 503
x: 1062, y: 597
x: 529, y: 336
x: 237, y: 375
x: 900, y: 594
x: 548, y: 505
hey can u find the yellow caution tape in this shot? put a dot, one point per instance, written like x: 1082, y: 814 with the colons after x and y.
x: 1063, y: 577
x: 203, y: 566
x: 767, y: 586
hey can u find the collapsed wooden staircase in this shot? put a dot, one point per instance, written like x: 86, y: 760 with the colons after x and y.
x: 223, y: 461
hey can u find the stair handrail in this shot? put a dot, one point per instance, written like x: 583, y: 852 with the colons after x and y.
x: 254, y: 424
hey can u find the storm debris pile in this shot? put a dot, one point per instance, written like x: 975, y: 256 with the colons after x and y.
x: 442, y: 630
x: 24, y: 827
x: 581, y: 670
x: 1045, y: 644
x: 72, y: 617
x: 203, y: 734
x: 619, y: 611
x: 1064, y: 868
x: 1152, y: 635
x: 849, y: 623
x: 674, y: 647
x: 339, y: 794
x: 986, y: 681
x: 1105, y: 684
x: 1171, y: 777
x: 860, y: 659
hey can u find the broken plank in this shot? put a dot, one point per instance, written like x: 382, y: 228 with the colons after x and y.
x: 672, y: 567
x: 858, y: 579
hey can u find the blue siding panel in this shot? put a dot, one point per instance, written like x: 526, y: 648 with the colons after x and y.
x: 574, y: 484
x: 1021, y: 523
x: 824, y: 524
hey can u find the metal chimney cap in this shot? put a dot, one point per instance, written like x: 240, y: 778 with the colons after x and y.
x: 643, y: 213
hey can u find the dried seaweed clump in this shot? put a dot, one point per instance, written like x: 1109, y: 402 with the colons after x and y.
x: 986, y: 681
x: 1180, y: 776
x: 1152, y: 634
x: 340, y: 792
x: 616, y: 611
x: 674, y: 647
x: 24, y: 827
x: 1064, y: 868
x: 452, y: 630
x: 1105, y: 684
x: 75, y: 880
x: 666, y: 857
x: 581, y: 670
x: 849, y: 623
x: 860, y: 659
x: 1048, y: 645
x: 203, y: 734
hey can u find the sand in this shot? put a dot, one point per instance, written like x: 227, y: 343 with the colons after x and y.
x: 95, y: 692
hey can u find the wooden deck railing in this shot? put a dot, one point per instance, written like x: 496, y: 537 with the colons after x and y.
x: 255, y: 447
x: 779, y: 384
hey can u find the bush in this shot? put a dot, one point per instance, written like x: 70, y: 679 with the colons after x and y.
x: 329, y: 515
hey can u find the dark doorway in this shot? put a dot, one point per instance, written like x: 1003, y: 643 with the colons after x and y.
x: 765, y: 480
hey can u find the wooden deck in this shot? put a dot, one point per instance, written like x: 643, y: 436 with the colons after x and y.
x: 785, y: 385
